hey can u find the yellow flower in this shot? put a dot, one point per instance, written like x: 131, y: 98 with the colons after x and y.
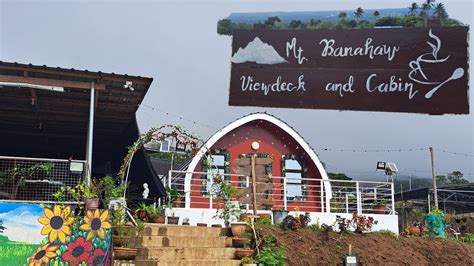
x: 95, y: 222
x: 43, y: 255
x: 56, y: 223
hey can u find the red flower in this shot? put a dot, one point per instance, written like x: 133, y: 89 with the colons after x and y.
x: 77, y: 251
x: 98, y: 258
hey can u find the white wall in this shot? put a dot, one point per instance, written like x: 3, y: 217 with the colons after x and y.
x: 385, y: 221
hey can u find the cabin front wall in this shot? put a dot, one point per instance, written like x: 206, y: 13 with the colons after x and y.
x: 275, y: 143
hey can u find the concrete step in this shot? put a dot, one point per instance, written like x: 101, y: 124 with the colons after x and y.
x: 185, y: 241
x: 177, y: 230
x: 173, y: 253
x: 189, y: 262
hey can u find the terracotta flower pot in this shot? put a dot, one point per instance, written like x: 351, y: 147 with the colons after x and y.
x: 201, y: 224
x: 125, y: 253
x: 158, y: 219
x: 240, y: 253
x: 217, y: 225
x: 414, y: 230
x: 142, y: 215
x: 379, y: 209
x: 239, y: 242
x: 238, y: 229
x: 91, y: 204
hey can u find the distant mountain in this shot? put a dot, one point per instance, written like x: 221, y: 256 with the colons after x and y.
x: 308, y: 15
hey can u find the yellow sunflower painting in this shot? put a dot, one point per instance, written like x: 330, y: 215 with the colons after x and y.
x: 42, y: 255
x: 56, y: 223
x: 95, y: 222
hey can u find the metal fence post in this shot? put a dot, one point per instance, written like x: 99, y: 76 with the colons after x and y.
x: 321, y: 194
x: 285, y: 201
x: 393, y: 197
x: 347, y: 203
x: 210, y: 193
x: 359, y: 202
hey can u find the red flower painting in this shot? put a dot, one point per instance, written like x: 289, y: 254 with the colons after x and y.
x: 98, y: 258
x: 77, y: 251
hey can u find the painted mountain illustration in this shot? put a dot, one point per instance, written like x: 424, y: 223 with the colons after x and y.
x: 258, y: 52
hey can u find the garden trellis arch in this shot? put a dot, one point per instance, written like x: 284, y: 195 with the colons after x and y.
x: 154, y: 134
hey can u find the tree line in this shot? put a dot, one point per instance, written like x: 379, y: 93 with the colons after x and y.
x: 416, y: 16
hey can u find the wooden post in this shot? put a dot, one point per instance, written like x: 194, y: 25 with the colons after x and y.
x: 435, y: 190
x: 254, y: 185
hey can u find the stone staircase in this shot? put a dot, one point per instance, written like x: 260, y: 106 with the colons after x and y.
x: 166, y: 245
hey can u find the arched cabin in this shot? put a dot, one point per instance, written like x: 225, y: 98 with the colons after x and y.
x: 295, y: 168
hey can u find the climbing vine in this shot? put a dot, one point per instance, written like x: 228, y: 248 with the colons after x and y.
x: 157, y: 134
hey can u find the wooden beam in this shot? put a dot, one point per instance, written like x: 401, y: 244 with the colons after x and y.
x: 51, y: 82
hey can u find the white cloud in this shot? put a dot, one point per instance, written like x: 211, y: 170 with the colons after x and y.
x: 258, y: 52
x: 22, y: 232
x: 22, y: 215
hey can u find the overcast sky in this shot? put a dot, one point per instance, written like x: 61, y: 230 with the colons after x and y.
x: 176, y: 43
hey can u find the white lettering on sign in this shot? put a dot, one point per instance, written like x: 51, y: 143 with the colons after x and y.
x: 391, y: 86
x: 248, y: 84
x: 297, y: 53
x: 340, y: 87
x: 367, y: 50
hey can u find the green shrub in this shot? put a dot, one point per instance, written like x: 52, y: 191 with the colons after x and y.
x: 271, y: 256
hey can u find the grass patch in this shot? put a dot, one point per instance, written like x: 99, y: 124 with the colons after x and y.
x: 16, y: 253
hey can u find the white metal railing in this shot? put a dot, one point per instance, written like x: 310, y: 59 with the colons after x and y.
x: 28, y: 179
x: 308, y: 194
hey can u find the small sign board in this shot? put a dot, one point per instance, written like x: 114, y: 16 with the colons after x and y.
x: 415, y: 70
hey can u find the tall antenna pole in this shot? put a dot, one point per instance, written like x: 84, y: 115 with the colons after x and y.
x: 435, y: 191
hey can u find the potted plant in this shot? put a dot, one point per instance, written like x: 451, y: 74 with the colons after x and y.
x: 201, y: 224
x: 174, y: 196
x: 186, y: 221
x: 127, y: 250
x: 89, y: 193
x: 227, y: 210
x: 248, y: 261
x: 379, y: 206
x: 362, y: 224
x: 141, y: 211
x: 238, y: 229
x: 173, y: 219
x: 279, y: 215
x: 243, y: 252
x: 113, y: 192
x: 157, y: 214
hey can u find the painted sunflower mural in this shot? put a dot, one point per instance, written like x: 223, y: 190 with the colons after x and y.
x: 96, y: 222
x: 56, y: 223
x: 43, y: 255
x: 73, y: 240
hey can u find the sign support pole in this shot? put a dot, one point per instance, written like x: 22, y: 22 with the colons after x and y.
x: 435, y: 190
x: 254, y: 186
